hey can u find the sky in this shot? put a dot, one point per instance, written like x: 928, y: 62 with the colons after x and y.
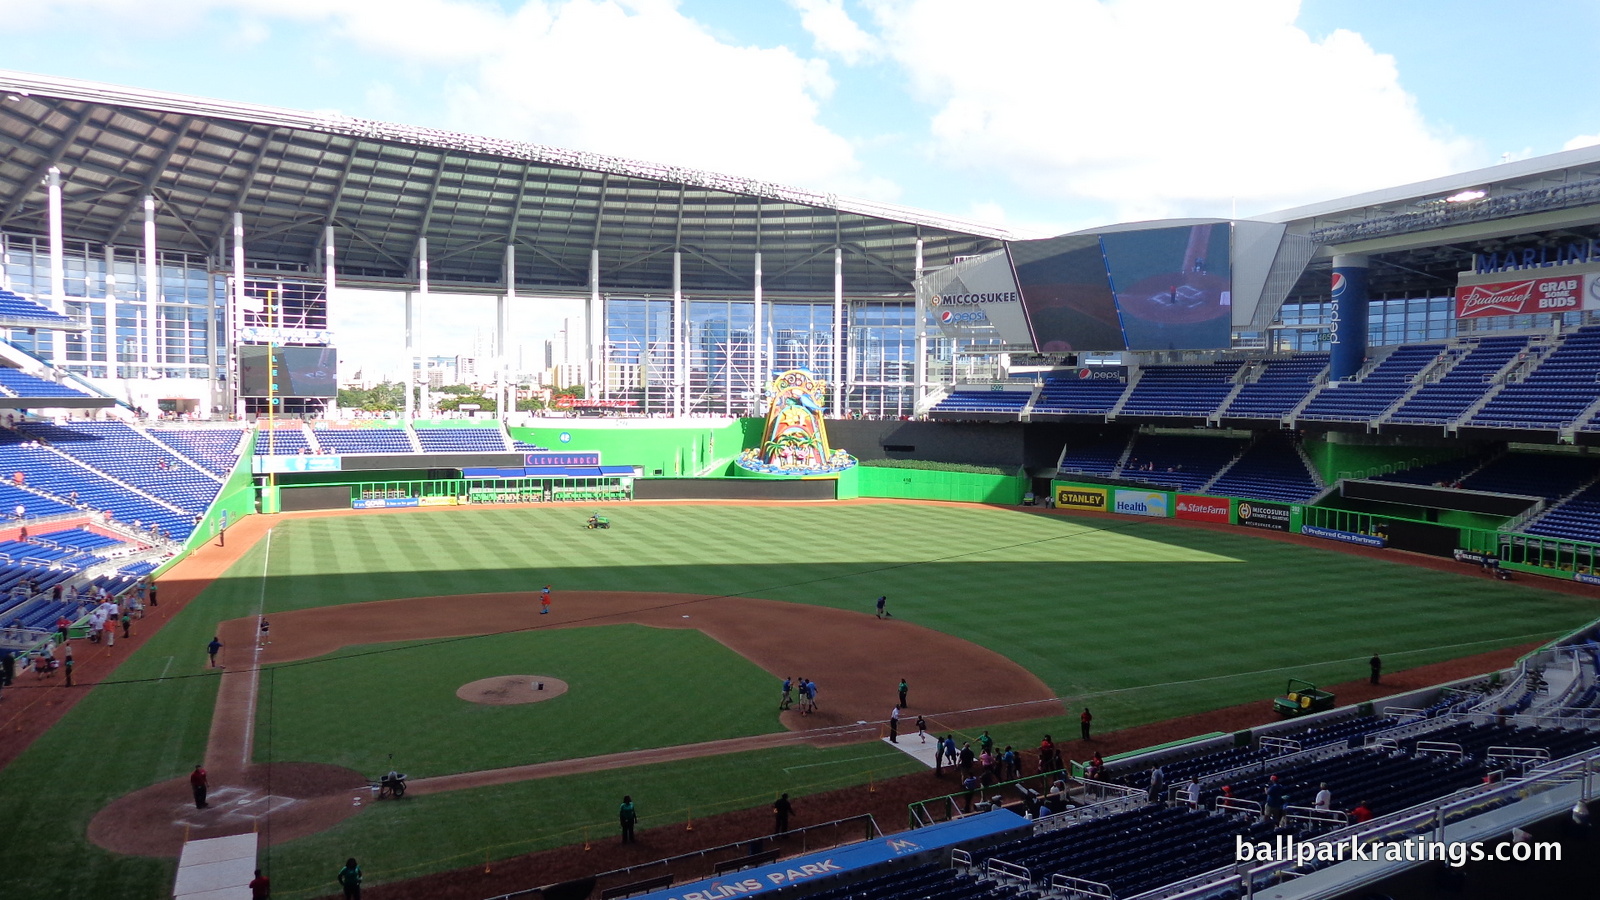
x: 1042, y: 116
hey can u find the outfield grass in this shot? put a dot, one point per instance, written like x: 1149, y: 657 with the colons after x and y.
x: 1139, y: 620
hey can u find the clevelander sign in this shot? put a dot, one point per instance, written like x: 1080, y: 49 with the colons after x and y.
x: 1142, y: 503
x: 1201, y: 509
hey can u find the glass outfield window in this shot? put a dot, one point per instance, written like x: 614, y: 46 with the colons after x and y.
x: 639, y: 363
x: 881, y: 358
x: 120, y: 342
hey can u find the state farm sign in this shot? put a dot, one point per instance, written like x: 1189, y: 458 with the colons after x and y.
x: 1558, y: 294
x: 1202, y: 509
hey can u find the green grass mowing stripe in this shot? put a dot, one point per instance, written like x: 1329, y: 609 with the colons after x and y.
x: 1088, y: 606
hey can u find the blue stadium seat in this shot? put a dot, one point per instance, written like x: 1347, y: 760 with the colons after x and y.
x: 461, y: 440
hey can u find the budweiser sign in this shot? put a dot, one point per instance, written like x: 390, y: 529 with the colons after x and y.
x: 1517, y: 298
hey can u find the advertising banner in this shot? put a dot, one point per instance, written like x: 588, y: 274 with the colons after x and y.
x: 1349, y: 537
x: 436, y: 501
x: 558, y: 458
x: 1586, y: 578
x: 1141, y: 503
x: 1081, y: 498
x: 1548, y: 294
x: 262, y: 465
x: 1271, y: 516
x: 1102, y: 373
x: 975, y: 298
x: 1201, y: 509
x: 392, y: 503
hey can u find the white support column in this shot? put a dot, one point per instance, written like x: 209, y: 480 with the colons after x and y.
x: 506, y: 398
x: 840, y: 333
x: 419, y: 315
x: 409, y: 379
x: 594, y: 327
x: 236, y: 305
x: 152, y: 280
x: 109, y: 354
x: 329, y: 274
x: 680, y: 332
x: 921, y: 365
x: 58, y: 265
x: 758, y: 343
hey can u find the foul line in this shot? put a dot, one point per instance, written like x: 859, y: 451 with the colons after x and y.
x: 255, y: 658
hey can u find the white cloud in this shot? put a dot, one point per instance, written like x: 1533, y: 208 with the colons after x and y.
x: 1161, y: 107
x: 643, y: 80
x: 1582, y: 140
x: 633, y: 78
x: 834, y: 31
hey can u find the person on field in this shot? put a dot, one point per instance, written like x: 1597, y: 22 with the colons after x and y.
x: 544, y: 601
x: 350, y: 879
x: 199, y: 783
x: 212, y: 648
x: 903, y: 687
x: 782, y: 809
x: 1376, y: 665
x: 1083, y: 722
x: 882, y: 612
x: 922, y: 730
x: 260, y: 887
x: 788, y: 694
x: 627, y: 816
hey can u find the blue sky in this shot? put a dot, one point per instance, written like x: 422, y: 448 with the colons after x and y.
x: 1040, y: 115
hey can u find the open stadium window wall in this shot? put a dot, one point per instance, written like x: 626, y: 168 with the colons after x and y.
x: 189, y: 316
x: 1408, y: 319
x: 880, y: 359
x: 720, y: 338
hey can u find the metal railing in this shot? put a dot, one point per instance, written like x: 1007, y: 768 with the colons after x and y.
x: 703, y: 863
x: 1081, y: 887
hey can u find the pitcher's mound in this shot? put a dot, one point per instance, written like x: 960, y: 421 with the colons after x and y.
x: 503, y: 690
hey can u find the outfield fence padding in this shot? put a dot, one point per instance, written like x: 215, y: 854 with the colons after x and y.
x: 734, y: 489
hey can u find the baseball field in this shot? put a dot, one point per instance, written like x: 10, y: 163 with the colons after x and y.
x: 669, y: 634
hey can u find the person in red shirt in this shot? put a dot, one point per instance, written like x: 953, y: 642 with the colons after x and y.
x: 1361, y: 813
x: 199, y: 782
x: 1083, y: 722
x: 260, y: 887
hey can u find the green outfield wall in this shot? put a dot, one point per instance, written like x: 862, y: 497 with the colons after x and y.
x: 926, y: 484
x: 662, y: 450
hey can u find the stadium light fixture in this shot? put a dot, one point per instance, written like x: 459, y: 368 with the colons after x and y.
x: 1467, y: 196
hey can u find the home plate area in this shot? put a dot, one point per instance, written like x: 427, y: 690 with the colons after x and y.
x: 232, y: 806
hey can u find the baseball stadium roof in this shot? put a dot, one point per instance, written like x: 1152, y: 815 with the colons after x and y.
x: 383, y: 186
